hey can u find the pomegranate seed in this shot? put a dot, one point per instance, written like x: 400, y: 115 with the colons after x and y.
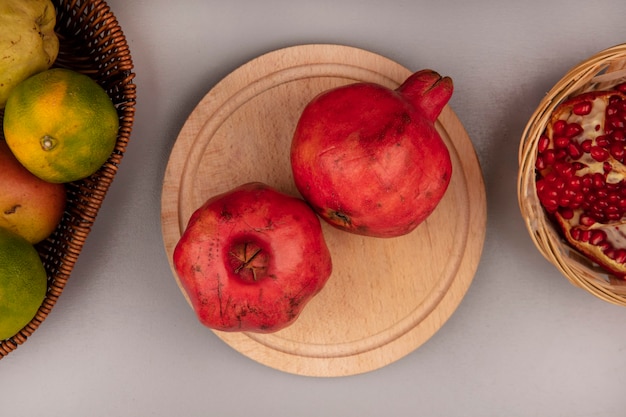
x: 620, y: 256
x: 586, y: 145
x: 540, y: 164
x: 578, y: 166
x: 597, y: 236
x: 566, y: 213
x: 549, y: 157
x: 614, y: 122
x: 564, y: 169
x: 602, y: 141
x: 561, y: 142
x: 564, y: 202
x: 573, y: 129
x: 543, y: 143
x: 574, y: 150
x: 613, y: 197
x: 579, y: 200
x: 604, y: 246
x: 617, y: 150
x: 613, y: 216
x: 607, y: 167
x: 575, y: 233
x: 583, y: 108
x: 621, y: 87
x: 618, y: 136
x: 609, y: 252
x: 574, y: 183
x: 598, y: 180
x: 585, y: 235
x: 559, y: 127
x: 586, y: 220
x: 599, y: 154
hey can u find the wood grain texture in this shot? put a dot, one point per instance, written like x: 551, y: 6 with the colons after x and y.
x: 386, y: 297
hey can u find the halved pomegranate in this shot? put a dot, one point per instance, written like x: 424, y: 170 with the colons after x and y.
x: 581, y: 175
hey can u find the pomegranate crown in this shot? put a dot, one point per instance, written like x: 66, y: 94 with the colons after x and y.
x: 428, y: 91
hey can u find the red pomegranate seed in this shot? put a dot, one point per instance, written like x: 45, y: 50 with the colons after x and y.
x: 617, y: 151
x: 585, y: 235
x: 613, y: 216
x: 620, y: 256
x: 573, y: 129
x: 561, y: 142
x: 598, y: 180
x: 586, y: 145
x: 618, y: 136
x: 559, y: 127
x: 564, y: 169
x: 566, y: 213
x: 609, y: 252
x: 575, y: 233
x: 599, y: 154
x: 602, y: 141
x: 540, y: 164
x: 574, y: 150
x: 597, y: 236
x: 574, y: 184
x: 614, y: 122
x: 549, y: 157
x: 543, y: 143
x: 586, y: 220
x: 583, y: 108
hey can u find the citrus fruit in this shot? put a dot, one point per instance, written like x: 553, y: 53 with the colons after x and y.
x: 23, y: 283
x: 61, y: 125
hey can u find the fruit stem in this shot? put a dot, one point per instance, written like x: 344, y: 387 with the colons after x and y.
x: 48, y: 142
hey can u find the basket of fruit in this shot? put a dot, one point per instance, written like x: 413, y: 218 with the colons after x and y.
x: 572, y: 178
x: 67, y: 114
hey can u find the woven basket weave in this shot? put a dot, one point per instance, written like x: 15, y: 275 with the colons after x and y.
x: 600, y: 72
x: 91, y: 42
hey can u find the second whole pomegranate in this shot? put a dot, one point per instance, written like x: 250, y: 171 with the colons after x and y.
x: 369, y: 159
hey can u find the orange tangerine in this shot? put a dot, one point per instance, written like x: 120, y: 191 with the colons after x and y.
x: 61, y: 125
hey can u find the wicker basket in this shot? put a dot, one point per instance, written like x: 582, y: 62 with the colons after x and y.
x: 91, y: 42
x: 602, y: 71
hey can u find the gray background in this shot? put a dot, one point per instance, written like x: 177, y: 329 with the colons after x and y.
x: 524, y: 342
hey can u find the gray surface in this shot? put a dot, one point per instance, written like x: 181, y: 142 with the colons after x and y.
x: 524, y: 342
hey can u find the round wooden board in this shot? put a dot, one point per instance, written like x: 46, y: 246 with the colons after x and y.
x: 385, y: 297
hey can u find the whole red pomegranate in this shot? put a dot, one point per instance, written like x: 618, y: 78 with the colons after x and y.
x: 369, y: 159
x: 251, y: 259
x: 581, y: 175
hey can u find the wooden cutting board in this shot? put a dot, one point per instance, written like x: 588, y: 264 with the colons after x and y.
x: 386, y: 297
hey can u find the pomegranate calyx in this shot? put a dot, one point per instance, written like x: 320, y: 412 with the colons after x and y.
x: 428, y: 91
